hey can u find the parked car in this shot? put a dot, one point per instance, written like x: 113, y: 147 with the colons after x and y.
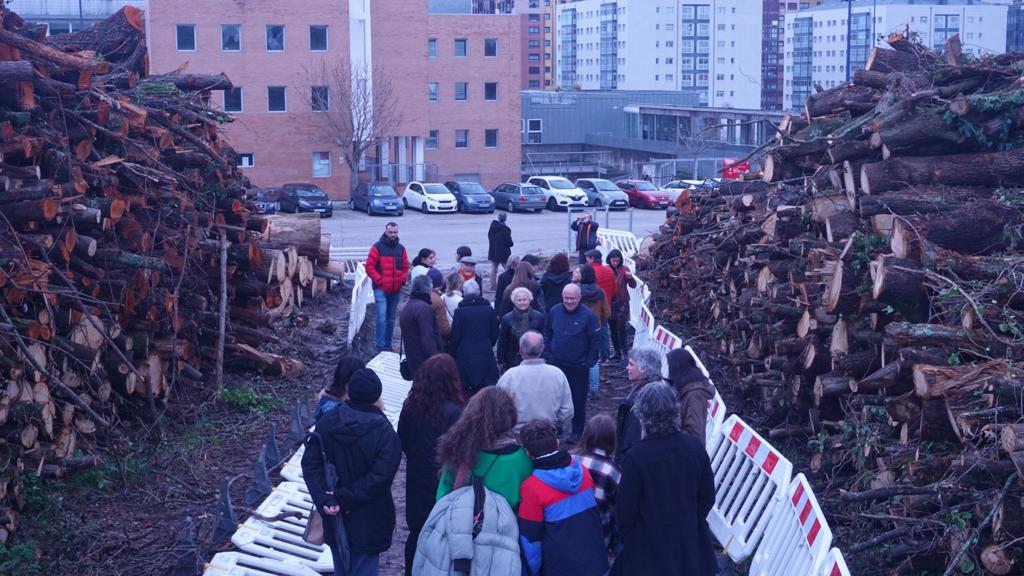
x: 429, y: 197
x: 643, y: 194
x: 471, y: 197
x: 266, y: 201
x: 560, y: 192
x: 376, y: 198
x: 675, y: 187
x: 304, y: 197
x: 601, y: 192
x: 513, y: 196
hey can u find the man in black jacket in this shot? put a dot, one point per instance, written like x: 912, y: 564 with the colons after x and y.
x: 364, y: 449
x: 571, y: 341
x: 499, y: 246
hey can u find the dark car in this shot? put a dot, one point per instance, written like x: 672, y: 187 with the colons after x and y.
x: 377, y: 198
x: 300, y: 197
x: 266, y: 201
x: 472, y: 197
x: 643, y: 194
x: 514, y: 196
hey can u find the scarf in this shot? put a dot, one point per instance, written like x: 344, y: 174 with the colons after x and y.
x: 520, y: 322
x: 552, y: 461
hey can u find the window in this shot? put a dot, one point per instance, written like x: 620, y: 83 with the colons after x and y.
x: 275, y: 38
x: 533, y: 30
x: 432, y: 91
x: 432, y: 140
x: 490, y: 47
x: 462, y: 138
x: 534, y: 43
x: 186, y: 37
x: 320, y: 98
x: 461, y: 47
x: 276, y: 100
x: 321, y: 164
x: 534, y: 17
x: 246, y: 160
x: 233, y: 99
x: 491, y: 138
x: 461, y: 91
x: 534, y: 83
x: 490, y: 91
x: 534, y: 58
x: 533, y: 131
x: 230, y: 37
x: 432, y: 48
x: 318, y: 38
x: 534, y: 70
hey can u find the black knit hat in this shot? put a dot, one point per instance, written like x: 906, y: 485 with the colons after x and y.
x: 364, y: 386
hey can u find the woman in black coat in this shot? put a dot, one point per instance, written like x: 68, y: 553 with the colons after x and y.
x: 514, y: 324
x: 664, y: 497
x: 420, y: 336
x: 434, y: 404
x: 554, y: 280
x: 474, y: 333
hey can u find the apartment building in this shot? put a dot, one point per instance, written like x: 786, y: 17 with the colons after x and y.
x: 446, y: 125
x: 826, y: 43
x: 69, y: 15
x: 710, y: 48
x: 538, y: 44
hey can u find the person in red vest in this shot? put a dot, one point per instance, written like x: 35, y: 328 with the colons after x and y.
x: 387, y: 265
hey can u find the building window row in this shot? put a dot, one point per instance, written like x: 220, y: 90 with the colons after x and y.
x: 231, y: 38
x: 277, y: 99
x: 461, y: 141
x: 461, y: 47
x: 462, y: 91
x: 321, y: 163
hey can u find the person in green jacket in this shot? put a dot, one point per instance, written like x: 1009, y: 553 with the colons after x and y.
x: 481, y: 443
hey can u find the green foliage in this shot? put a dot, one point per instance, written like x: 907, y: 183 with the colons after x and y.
x: 102, y: 478
x: 953, y: 359
x: 864, y: 248
x: 20, y: 559
x: 247, y: 399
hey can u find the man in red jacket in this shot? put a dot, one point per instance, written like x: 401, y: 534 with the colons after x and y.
x: 387, y: 265
x: 606, y: 282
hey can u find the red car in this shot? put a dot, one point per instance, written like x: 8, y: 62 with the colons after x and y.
x: 643, y: 194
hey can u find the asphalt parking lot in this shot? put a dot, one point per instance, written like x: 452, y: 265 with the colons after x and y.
x: 539, y: 233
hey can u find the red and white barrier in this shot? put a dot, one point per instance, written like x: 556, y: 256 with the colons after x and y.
x: 664, y: 341
x: 797, y: 539
x: 644, y: 326
x: 716, y: 415
x: 751, y: 478
x: 834, y: 564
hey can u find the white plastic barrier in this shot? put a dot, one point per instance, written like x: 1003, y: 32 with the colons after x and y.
x: 834, y: 564
x: 292, y: 469
x: 362, y: 296
x: 637, y: 298
x: 713, y: 427
x: 625, y: 241
x: 396, y: 389
x: 664, y: 341
x: 282, y: 539
x: 750, y: 480
x: 797, y: 539
x: 350, y: 257
x: 238, y: 564
x: 644, y: 326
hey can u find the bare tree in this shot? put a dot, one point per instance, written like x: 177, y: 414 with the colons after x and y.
x: 355, y: 108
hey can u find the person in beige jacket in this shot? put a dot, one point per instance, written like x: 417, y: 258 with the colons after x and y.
x: 538, y: 389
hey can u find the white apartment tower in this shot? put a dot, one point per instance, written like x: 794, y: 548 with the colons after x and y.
x: 708, y: 47
x: 823, y: 45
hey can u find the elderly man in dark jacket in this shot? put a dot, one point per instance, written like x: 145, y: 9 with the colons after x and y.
x: 572, y: 337
x: 499, y: 245
x: 664, y: 497
x: 474, y: 333
x: 420, y: 336
x: 364, y: 449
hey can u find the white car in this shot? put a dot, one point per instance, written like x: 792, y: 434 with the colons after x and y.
x: 429, y: 197
x: 560, y: 192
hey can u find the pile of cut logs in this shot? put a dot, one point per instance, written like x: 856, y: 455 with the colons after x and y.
x: 868, y: 293
x: 119, y: 205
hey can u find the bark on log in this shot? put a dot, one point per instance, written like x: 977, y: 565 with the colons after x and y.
x: 845, y: 97
x: 979, y: 169
x: 899, y: 282
x: 978, y: 228
x: 299, y: 230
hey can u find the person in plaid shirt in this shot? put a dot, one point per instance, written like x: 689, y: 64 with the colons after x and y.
x: 597, y: 446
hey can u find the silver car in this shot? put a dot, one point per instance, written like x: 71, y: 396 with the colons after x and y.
x: 601, y: 192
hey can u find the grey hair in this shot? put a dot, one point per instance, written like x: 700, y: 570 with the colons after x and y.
x: 502, y: 216
x: 648, y: 360
x: 656, y: 408
x: 422, y: 284
x: 531, y: 344
x: 521, y: 290
x: 513, y: 261
x: 470, y: 288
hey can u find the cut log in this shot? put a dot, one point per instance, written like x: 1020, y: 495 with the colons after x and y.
x: 886, y: 60
x: 1012, y: 438
x: 977, y: 228
x: 979, y: 169
x: 845, y: 97
x: 899, y: 282
x: 842, y: 296
x: 299, y: 230
x: 939, y: 381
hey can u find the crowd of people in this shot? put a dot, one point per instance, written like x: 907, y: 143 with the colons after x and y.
x: 505, y: 474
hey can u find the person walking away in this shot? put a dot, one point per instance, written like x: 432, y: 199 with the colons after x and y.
x: 420, y: 336
x: 538, y: 389
x: 571, y: 338
x: 597, y: 446
x: 452, y: 295
x: 364, y: 449
x: 423, y: 263
x: 559, y: 522
x: 474, y: 334
x: 431, y: 409
x: 644, y: 367
x: 666, y: 493
x: 586, y: 235
x: 481, y: 443
x: 467, y: 270
x: 513, y: 325
x: 387, y: 265
x: 619, y: 319
x: 499, y: 245
x: 337, y: 391
x: 444, y: 326
x: 523, y: 279
x: 694, y: 390
x: 505, y: 278
x: 556, y: 278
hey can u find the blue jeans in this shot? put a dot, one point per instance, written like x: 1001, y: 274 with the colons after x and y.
x: 606, y: 337
x: 365, y: 564
x: 387, y: 309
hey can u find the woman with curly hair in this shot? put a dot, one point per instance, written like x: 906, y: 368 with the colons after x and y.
x: 433, y: 406
x: 557, y: 277
x: 482, y: 444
